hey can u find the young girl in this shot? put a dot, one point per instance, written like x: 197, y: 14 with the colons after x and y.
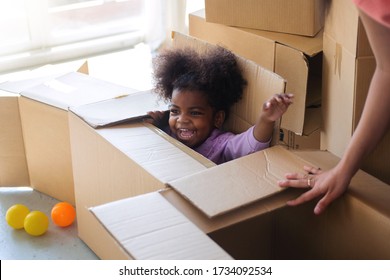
x: 201, y: 89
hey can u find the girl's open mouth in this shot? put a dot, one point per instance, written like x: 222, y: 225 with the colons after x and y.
x: 185, y: 134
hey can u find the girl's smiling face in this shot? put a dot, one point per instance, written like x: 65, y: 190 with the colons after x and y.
x: 192, y: 118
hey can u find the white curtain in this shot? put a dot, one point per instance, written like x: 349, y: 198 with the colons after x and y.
x: 160, y: 18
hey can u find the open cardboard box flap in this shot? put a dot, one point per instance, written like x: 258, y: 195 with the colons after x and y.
x: 238, y: 182
x: 19, y: 82
x: 158, y: 230
x: 120, y: 109
x: 74, y: 89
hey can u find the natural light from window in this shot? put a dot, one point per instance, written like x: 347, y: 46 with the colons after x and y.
x: 38, y: 26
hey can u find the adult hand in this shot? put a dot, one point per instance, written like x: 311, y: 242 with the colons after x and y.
x: 329, y: 184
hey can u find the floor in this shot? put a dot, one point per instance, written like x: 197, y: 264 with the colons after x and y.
x: 57, y: 243
x: 130, y: 68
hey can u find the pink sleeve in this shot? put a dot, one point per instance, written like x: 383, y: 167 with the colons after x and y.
x: 379, y: 10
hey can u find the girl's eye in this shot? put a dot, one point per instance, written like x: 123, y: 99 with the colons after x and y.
x: 196, y: 113
x: 174, y: 111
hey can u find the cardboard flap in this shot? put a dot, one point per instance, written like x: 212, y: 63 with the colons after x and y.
x: 310, y: 46
x: 239, y: 182
x: 159, y: 156
x: 121, y: 109
x: 74, y: 89
x: 19, y: 86
x: 20, y: 81
x: 150, y: 228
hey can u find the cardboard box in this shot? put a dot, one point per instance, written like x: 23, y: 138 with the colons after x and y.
x: 297, y: 59
x: 43, y: 111
x: 347, y: 71
x: 165, y: 231
x: 13, y: 164
x: 122, y: 161
x: 297, y: 142
x: 122, y: 109
x: 301, y: 17
x: 129, y: 159
x: 247, y: 221
x: 311, y: 140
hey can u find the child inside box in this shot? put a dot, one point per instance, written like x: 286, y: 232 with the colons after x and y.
x: 201, y: 88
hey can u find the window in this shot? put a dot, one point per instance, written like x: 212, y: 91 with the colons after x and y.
x: 42, y: 31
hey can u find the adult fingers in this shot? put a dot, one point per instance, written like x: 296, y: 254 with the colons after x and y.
x: 297, y: 183
x: 307, y: 196
x: 312, y: 170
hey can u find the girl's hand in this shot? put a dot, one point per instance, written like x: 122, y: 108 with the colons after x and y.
x: 156, y: 117
x: 274, y: 108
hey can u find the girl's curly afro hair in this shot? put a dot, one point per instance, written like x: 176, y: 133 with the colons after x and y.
x: 214, y: 72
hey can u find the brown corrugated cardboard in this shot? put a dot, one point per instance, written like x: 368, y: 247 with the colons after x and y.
x: 159, y: 230
x: 43, y: 111
x: 356, y: 226
x: 242, y: 181
x: 297, y: 59
x: 343, y: 25
x: 127, y: 108
x: 347, y: 71
x: 311, y: 138
x: 302, y: 17
x: 13, y: 165
x: 300, y: 142
x: 340, y: 94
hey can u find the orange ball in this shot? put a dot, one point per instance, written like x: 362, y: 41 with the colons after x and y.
x: 63, y: 214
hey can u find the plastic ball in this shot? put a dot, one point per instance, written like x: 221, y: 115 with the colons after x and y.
x: 16, y: 214
x: 36, y: 223
x: 63, y: 214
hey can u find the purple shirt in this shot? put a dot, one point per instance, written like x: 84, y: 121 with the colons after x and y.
x: 222, y: 146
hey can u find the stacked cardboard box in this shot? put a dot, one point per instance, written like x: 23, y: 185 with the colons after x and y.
x: 296, y: 58
x: 300, y: 17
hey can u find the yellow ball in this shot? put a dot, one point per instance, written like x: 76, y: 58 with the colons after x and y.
x: 36, y: 223
x: 16, y: 214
